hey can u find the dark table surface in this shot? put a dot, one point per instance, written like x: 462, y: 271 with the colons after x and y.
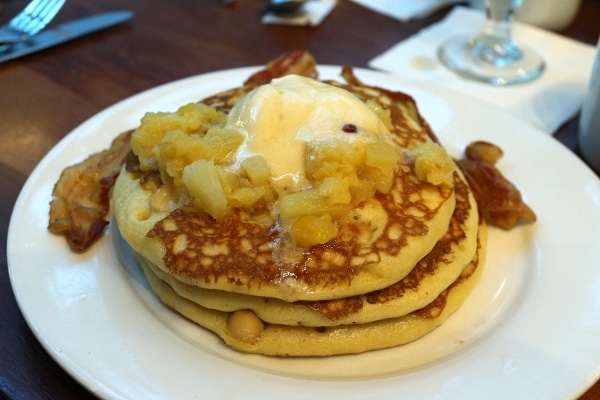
x: 45, y: 95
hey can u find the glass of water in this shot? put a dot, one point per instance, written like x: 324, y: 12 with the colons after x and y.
x: 493, y: 56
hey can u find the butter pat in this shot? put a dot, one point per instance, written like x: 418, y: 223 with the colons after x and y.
x: 279, y: 119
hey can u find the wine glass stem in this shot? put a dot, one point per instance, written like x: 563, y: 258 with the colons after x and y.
x: 495, y: 44
x: 499, y: 17
x: 501, y: 10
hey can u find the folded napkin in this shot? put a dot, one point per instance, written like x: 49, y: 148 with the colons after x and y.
x: 405, y: 10
x: 313, y: 13
x: 546, y: 102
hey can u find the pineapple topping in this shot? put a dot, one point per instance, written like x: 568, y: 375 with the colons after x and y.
x: 297, y: 153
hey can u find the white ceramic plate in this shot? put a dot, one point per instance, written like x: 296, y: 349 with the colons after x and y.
x: 529, y: 330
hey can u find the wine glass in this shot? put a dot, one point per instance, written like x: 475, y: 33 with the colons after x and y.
x: 493, y: 56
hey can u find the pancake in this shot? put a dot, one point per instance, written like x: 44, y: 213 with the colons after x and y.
x: 298, y: 217
x: 378, y: 242
x: 283, y: 340
x: 432, y: 275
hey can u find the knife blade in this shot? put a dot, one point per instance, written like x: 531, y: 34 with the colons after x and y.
x: 63, y: 33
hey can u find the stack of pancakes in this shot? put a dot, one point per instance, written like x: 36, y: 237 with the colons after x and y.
x: 401, y: 263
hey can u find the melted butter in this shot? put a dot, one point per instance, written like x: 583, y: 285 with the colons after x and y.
x: 280, y: 118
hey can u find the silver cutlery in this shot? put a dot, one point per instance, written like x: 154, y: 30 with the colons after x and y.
x: 30, y: 21
x: 63, y: 33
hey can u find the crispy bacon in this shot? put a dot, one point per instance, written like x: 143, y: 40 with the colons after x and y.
x: 349, y: 77
x: 499, y: 200
x: 82, y: 195
x: 298, y: 62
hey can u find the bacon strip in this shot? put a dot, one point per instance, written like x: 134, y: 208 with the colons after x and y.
x: 499, y: 200
x: 296, y: 62
x: 82, y: 195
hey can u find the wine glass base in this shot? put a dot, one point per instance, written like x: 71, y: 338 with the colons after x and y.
x: 458, y: 56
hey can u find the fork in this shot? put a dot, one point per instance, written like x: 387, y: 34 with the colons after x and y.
x: 32, y: 19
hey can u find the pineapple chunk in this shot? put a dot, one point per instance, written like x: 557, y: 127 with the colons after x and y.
x: 178, y: 149
x: 370, y: 180
x: 433, y: 164
x: 190, y: 118
x: 330, y: 159
x: 202, y: 181
x: 257, y: 169
x: 301, y: 203
x: 229, y: 180
x: 381, y: 155
x: 335, y: 190
x: 220, y: 142
x: 246, y: 196
x: 175, y: 151
x: 310, y: 230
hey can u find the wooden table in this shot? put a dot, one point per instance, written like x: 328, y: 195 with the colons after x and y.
x: 45, y: 95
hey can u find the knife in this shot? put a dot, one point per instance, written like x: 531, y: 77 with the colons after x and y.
x: 71, y: 30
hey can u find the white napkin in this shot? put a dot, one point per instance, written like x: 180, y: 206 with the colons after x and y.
x: 547, y: 102
x: 405, y: 10
x: 314, y: 12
